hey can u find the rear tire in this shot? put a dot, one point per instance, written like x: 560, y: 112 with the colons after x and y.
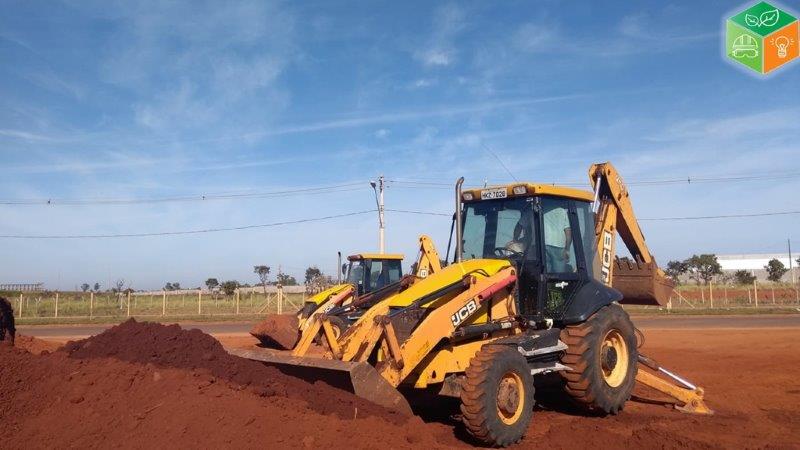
x: 602, y: 353
x: 497, y: 396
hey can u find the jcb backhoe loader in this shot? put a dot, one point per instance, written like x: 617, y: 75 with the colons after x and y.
x: 529, y: 293
x: 369, y: 277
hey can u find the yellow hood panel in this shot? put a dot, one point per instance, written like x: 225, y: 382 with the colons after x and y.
x: 447, y: 276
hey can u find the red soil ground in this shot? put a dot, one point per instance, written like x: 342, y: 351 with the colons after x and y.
x: 145, y: 385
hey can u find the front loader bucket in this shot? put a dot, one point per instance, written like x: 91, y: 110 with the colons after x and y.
x: 279, y: 331
x: 641, y: 283
x: 359, y: 378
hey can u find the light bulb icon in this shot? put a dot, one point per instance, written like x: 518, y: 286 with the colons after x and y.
x: 782, y: 43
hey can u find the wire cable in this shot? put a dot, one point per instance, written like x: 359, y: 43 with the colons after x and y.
x: 191, y: 198
x: 177, y: 233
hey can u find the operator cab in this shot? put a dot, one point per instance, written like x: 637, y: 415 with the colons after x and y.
x: 372, y: 271
x: 547, y: 232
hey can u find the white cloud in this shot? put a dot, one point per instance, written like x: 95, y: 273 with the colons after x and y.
x: 448, y: 23
x: 382, y: 133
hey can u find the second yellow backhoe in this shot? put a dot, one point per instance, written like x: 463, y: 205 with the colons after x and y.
x: 534, y: 289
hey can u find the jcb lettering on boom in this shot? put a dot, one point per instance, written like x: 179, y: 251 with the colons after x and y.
x: 608, y: 250
x: 463, y: 313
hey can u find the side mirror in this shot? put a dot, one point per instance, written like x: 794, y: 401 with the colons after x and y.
x: 344, y: 269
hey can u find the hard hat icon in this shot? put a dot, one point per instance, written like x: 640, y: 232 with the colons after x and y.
x: 745, y: 46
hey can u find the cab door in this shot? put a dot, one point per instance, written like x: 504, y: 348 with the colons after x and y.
x: 561, y: 234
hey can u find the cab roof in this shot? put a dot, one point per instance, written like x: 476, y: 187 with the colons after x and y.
x: 531, y: 189
x: 361, y: 256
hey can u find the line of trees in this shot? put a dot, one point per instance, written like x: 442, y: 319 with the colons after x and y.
x: 704, y: 267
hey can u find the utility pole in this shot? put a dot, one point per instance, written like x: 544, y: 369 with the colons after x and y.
x: 378, y: 188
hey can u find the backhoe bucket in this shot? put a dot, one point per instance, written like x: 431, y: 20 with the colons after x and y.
x: 641, y: 283
x: 359, y: 378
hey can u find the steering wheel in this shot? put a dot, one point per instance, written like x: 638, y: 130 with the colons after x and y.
x: 504, y: 252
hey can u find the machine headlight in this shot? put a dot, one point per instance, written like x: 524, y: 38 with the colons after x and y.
x: 467, y: 196
x: 519, y: 190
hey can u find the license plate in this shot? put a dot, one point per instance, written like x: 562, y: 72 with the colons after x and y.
x: 491, y: 194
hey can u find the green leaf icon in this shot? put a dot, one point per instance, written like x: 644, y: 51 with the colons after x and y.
x: 769, y: 18
x: 751, y: 20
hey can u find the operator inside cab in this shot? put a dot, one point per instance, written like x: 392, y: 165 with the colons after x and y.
x: 557, y: 238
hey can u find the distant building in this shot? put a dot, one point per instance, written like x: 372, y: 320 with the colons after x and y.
x: 754, y: 263
x: 22, y: 287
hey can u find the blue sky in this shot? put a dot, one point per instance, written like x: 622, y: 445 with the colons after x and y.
x: 131, y: 100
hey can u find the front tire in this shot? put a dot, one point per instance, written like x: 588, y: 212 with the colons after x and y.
x: 497, y: 396
x: 602, y: 353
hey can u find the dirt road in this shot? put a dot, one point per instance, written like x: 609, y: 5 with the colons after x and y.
x: 747, y: 364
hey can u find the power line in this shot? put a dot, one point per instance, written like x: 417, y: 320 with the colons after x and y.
x: 336, y: 216
x: 721, y: 216
x: 427, y: 213
x: 184, y: 232
x: 727, y: 216
x: 486, y: 147
x: 346, y: 187
x: 655, y: 182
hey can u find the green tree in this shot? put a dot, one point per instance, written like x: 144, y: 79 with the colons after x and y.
x: 744, y: 277
x: 775, y: 270
x: 675, y: 269
x: 85, y: 287
x: 263, y: 275
x: 311, y: 273
x: 212, y: 283
x: 702, y: 268
x: 286, y: 280
x: 229, y: 287
x: 97, y: 287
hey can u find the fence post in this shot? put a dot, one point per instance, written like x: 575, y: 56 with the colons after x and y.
x: 755, y: 291
x: 280, y: 299
x: 129, y: 304
x: 91, y: 304
x: 163, y: 303
x: 20, y: 305
x: 237, y: 302
x: 773, y: 293
x: 199, y: 301
x: 56, y: 313
x: 711, y: 292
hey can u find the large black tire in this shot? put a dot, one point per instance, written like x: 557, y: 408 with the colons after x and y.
x: 339, y: 327
x: 497, y: 396
x: 307, y: 309
x: 602, y: 353
x: 7, y: 329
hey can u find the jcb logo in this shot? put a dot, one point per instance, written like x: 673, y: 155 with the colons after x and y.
x: 463, y: 313
x: 608, y: 250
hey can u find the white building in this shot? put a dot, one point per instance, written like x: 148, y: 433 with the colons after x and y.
x: 754, y: 263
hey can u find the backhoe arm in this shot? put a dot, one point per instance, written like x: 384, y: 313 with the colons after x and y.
x: 428, y: 260
x: 640, y: 280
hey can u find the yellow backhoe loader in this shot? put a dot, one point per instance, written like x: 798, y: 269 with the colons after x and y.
x: 534, y: 289
x: 369, y: 277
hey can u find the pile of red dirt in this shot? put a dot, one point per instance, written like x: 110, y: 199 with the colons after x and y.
x: 35, y: 345
x: 55, y: 400
x: 172, y: 346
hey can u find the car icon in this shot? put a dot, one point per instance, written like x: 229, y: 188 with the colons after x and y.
x: 745, y: 46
